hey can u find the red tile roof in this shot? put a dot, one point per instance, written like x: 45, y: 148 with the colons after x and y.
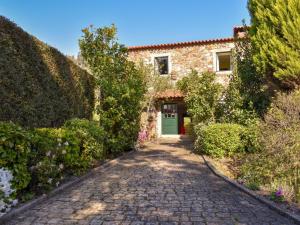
x: 180, y: 44
x: 170, y: 93
x: 236, y: 30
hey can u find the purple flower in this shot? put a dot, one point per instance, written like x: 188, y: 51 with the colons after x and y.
x: 279, y: 192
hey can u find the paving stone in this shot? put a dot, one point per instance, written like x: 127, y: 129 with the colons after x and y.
x: 162, y: 184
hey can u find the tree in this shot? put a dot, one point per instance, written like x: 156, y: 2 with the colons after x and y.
x: 247, y: 95
x: 121, y: 86
x: 202, y: 95
x: 275, y: 36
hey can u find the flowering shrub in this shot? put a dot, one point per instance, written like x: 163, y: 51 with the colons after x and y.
x: 14, y: 154
x: 6, y: 190
x: 277, y: 195
x: 34, y: 161
x: 90, y: 135
x: 142, y: 136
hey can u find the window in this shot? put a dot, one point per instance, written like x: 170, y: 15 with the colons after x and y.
x: 162, y: 65
x: 223, y: 61
x: 169, y: 110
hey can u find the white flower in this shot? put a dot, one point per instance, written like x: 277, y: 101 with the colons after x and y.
x: 66, y: 143
x: 5, y: 186
x: 61, y: 166
x: 59, y: 144
x: 48, y: 153
x: 14, y: 202
x: 64, y: 152
x: 59, y: 139
x: 50, y: 180
x: 53, y: 156
x: 57, y: 183
x: 5, y: 179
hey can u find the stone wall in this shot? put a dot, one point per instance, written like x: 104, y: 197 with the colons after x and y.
x: 182, y: 60
x: 185, y: 58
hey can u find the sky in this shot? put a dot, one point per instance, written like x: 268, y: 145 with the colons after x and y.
x: 139, y: 22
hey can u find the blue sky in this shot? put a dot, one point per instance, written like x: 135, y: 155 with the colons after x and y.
x: 139, y: 22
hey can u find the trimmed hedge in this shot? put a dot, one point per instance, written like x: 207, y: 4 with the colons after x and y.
x: 220, y: 139
x: 39, y: 86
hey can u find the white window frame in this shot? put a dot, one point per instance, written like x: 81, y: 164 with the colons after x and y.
x: 216, y: 60
x: 169, y: 62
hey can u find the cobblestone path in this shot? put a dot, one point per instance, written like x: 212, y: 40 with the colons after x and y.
x: 162, y: 184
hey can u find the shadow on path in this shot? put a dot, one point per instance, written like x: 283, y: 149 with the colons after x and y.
x: 163, y: 183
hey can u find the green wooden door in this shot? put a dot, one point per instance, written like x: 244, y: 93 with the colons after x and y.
x: 169, y: 119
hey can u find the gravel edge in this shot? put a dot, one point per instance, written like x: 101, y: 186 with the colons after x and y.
x: 271, y: 205
x: 75, y: 181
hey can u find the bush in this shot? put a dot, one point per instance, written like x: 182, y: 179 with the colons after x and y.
x: 220, y: 139
x: 278, y: 163
x: 91, y: 136
x: 55, y: 153
x: 40, y: 158
x: 14, y: 153
x: 202, y: 95
x: 40, y: 87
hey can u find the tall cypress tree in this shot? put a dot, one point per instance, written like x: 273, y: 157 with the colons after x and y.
x: 275, y: 35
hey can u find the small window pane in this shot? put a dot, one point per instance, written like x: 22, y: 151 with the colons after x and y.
x: 162, y: 65
x: 224, y: 61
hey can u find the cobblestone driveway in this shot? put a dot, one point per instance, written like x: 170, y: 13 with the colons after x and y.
x: 162, y: 184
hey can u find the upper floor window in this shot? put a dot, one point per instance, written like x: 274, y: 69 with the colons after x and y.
x: 162, y: 64
x: 223, y: 61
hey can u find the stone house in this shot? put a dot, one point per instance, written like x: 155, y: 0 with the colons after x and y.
x: 176, y: 60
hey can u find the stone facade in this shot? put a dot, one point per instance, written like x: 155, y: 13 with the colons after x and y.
x: 183, y: 57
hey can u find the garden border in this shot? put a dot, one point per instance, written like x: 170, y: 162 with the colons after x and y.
x: 263, y: 200
x: 75, y: 181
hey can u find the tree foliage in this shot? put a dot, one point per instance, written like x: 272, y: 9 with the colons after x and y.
x: 121, y: 85
x: 247, y: 95
x: 202, y: 95
x: 275, y: 35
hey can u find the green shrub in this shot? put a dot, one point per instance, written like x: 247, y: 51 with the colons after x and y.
x: 250, y: 136
x: 220, y: 139
x: 278, y: 163
x: 14, y: 153
x: 91, y: 136
x: 69, y: 150
x: 55, y: 153
x: 122, y: 86
x: 202, y: 96
x: 40, y: 158
x: 40, y: 87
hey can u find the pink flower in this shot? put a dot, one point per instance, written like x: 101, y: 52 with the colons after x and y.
x: 142, y: 136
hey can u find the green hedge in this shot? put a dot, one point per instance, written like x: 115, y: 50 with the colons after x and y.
x: 220, y: 139
x: 40, y: 87
x: 40, y: 158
